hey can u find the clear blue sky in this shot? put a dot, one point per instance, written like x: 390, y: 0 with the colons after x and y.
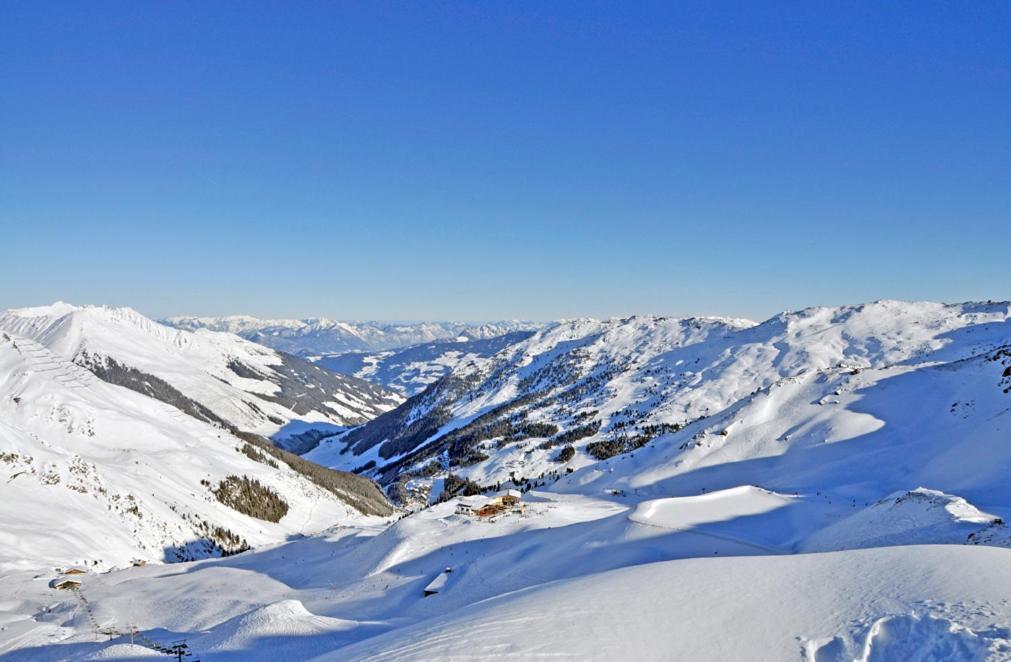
x: 503, y: 159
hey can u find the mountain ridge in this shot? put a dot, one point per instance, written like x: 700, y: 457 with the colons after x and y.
x: 640, y: 379
x: 234, y: 381
x: 100, y: 475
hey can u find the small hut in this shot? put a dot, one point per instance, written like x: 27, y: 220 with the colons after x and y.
x: 437, y: 584
x: 75, y: 570
x: 65, y: 584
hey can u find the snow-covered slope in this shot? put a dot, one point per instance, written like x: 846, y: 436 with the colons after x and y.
x: 411, y: 369
x: 573, y: 577
x: 827, y: 485
x: 682, y: 394
x: 885, y: 604
x: 212, y: 376
x: 320, y: 336
x: 907, y: 518
x: 98, y: 475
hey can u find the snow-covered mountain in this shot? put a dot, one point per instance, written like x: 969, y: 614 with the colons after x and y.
x: 701, y: 392
x: 320, y: 336
x: 827, y: 485
x: 98, y: 475
x: 215, y: 377
x: 411, y: 369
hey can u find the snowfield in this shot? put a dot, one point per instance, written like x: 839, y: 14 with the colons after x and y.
x: 828, y: 485
x: 572, y: 578
x: 882, y: 604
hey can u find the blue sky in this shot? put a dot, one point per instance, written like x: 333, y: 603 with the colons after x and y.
x: 497, y: 160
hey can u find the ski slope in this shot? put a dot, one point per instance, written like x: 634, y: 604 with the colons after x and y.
x: 882, y: 604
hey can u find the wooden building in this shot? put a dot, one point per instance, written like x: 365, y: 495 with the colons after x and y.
x: 470, y: 505
x: 482, y: 506
x: 510, y: 497
x: 489, y: 509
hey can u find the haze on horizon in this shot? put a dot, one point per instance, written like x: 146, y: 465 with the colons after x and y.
x: 484, y: 162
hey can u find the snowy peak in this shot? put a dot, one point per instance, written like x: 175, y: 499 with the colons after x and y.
x: 230, y: 380
x: 70, y: 329
x: 99, y: 475
x: 53, y: 310
x: 886, y: 332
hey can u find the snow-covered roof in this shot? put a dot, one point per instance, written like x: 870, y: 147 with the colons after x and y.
x: 473, y: 501
x: 438, y: 583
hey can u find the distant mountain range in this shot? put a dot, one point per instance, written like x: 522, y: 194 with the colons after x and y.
x: 321, y: 336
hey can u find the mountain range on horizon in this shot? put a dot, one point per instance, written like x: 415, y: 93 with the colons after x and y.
x: 317, y: 336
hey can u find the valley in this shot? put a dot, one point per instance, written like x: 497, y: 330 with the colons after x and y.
x: 817, y: 486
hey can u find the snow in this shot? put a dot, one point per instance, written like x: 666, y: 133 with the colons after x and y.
x: 689, y: 512
x: 330, y: 453
x: 123, y: 652
x: 838, y: 492
x: 881, y: 604
x: 273, y: 626
x: 318, y: 336
x: 198, y: 364
x: 99, y: 474
x: 573, y: 577
x: 787, y: 387
x: 914, y: 517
